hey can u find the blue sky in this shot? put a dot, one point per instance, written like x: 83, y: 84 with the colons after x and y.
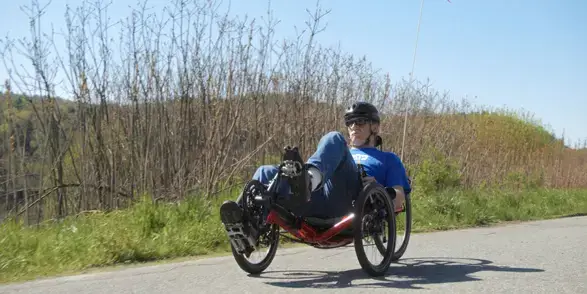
x: 521, y: 54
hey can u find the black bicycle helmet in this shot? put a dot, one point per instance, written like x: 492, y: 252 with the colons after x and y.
x: 367, y: 111
x: 361, y: 110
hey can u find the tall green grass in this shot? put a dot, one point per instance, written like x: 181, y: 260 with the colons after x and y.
x: 145, y: 232
x: 453, y: 208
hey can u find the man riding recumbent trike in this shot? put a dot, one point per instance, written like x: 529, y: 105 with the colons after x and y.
x: 340, y: 195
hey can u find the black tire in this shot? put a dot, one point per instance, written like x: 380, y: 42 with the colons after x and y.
x: 408, y: 217
x: 257, y: 268
x: 375, y: 191
x: 271, y: 233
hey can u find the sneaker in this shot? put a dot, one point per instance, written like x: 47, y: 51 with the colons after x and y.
x: 242, y: 237
x: 231, y: 213
x: 300, y: 183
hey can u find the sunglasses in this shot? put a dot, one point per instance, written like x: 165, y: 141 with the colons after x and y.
x: 359, y: 122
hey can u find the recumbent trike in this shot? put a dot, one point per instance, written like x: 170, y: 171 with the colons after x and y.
x: 263, y: 216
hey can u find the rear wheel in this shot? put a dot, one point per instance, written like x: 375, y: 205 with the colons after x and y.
x: 404, y: 229
x: 254, y: 216
x: 375, y: 219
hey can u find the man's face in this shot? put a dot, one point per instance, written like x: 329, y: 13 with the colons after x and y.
x: 359, y: 131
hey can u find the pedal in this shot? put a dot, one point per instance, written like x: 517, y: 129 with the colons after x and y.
x: 243, y: 242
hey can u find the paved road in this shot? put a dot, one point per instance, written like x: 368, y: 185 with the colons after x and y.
x: 535, y: 257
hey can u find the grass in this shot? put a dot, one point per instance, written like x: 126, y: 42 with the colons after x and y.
x: 454, y: 208
x: 145, y: 232
x: 151, y: 232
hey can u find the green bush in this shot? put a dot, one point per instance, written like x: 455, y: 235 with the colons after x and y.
x: 437, y: 172
x: 524, y: 180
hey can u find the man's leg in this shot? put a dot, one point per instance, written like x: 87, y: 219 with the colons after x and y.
x: 265, y: 174
x: 340, y: 177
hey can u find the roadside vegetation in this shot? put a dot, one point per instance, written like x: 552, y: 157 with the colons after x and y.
x: 167, y: 114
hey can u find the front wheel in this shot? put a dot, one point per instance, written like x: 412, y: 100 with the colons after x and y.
x: 254, y: 216
x: 375, y: 219
x: 269, y: 239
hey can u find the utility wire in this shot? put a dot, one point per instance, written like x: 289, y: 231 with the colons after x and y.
x: 411, y: 79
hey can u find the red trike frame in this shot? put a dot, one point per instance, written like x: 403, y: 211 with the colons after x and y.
x: 308, y: 234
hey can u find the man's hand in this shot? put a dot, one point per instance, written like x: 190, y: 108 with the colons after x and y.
x: 400, y: 197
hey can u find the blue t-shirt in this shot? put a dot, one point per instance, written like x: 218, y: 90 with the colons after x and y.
x: 385, y: 167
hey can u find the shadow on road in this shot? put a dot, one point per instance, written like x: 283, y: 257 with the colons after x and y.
x: 407, y: 274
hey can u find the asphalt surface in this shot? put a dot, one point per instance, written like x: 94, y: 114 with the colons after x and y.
x: 534, y: 257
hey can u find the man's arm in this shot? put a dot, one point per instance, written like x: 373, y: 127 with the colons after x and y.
x: 397, y: 178
x: 396, y: 174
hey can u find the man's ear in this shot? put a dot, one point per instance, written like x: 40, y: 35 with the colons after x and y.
x: 375, y: 128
